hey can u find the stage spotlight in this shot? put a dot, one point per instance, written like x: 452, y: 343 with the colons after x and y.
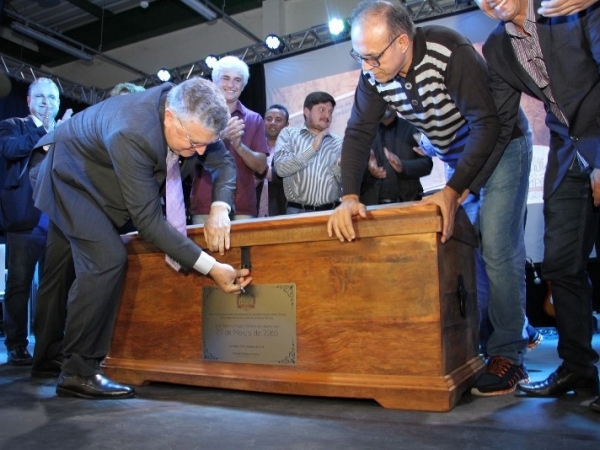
x: 273, y: 42
x: 210, y: 61
x: 163, y: 75
x: 336, y: 26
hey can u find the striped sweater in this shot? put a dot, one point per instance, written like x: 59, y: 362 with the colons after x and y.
x: 446, y: 95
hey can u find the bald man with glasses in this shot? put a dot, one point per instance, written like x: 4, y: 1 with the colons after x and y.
x: 434, y: 78
x: 456, y: 111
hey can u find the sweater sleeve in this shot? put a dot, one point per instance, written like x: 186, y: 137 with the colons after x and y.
x: 467, y: 83
x: 507, y: 104
x: 366, y: 114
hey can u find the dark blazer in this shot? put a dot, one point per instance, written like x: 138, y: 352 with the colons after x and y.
x: 18, y: 137
x: 277, y: 200
x: 398, y: 138
x: 107, y: 166
x: 571, y: 49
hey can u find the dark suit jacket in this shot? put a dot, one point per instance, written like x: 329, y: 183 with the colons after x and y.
x: 107, y: 166
x: 398, y: 138
x: 571, y: 48
x: 18, y: 136
x: 277, y: 200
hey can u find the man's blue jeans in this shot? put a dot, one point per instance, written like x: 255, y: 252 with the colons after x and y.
x: 24, y: 249
x: 471, y: 205
x: 498, y: 215
x: 501, y: 226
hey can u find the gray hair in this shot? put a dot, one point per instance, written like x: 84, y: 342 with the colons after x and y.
x: 43, y: 81
x: 125, y: 88
x: 199, y: 100
x: 395, y: 16
x: 231, y: 63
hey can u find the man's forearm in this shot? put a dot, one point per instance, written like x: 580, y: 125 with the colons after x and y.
x: 255, y: 161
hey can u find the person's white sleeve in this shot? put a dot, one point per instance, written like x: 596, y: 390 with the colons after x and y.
x: 205, y: 263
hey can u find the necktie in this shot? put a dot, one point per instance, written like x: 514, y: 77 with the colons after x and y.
x: 175, y: 206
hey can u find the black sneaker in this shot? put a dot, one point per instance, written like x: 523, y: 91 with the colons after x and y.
x: 501, y: 377
x: 19, y: 356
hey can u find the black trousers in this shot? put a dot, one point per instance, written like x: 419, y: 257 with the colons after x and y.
x: 51, y: 302
x: 92, y: 301
x: 571, y: 222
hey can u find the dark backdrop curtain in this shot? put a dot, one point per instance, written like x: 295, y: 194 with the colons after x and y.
x: 15, y: 104
x: 255, y: 93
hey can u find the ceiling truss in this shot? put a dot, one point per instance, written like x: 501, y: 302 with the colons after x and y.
x: 311, y: 39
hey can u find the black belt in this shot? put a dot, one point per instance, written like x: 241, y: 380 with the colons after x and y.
x: 325, y: 207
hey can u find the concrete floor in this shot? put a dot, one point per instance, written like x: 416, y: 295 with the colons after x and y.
x: 182, y: 417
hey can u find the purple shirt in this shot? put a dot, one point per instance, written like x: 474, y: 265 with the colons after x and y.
x: 245, y: 192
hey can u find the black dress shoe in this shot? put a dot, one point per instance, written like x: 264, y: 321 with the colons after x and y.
x: 595, y: 405
x: 95, y: 387
x: 48, y: 369
x: 561, y: 382
x: 19, y: 356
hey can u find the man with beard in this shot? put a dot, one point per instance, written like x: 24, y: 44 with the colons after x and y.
x: 307, y: 158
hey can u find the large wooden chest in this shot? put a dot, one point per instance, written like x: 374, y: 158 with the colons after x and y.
x: 391, y: 316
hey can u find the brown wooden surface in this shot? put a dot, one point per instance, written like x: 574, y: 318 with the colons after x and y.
x: 376, y: 318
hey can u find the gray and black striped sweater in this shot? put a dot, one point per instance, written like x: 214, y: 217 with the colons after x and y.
x: 446, y: 95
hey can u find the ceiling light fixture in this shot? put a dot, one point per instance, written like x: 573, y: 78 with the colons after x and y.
x: 336, y: 26
x: 201, y: 9
x: 210, y: 61
x: 53, y: 42
x: 273, y: 42
x: 163, y: 75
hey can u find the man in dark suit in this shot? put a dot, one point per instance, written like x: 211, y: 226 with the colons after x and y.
x: 104, y: 169
x: 556, y: 60
x: 394, y: 170
x: 273, y: 199
x: 51, y: 312
x: 24, y: 225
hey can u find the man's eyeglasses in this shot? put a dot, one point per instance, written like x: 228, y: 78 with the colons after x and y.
x: 373, y: 61
x: 192, y: 143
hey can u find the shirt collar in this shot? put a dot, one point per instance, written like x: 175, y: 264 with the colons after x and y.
x: 304, y: 129
x: 38, y: 122
x: 240, y: 109
x: 511, y: 28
